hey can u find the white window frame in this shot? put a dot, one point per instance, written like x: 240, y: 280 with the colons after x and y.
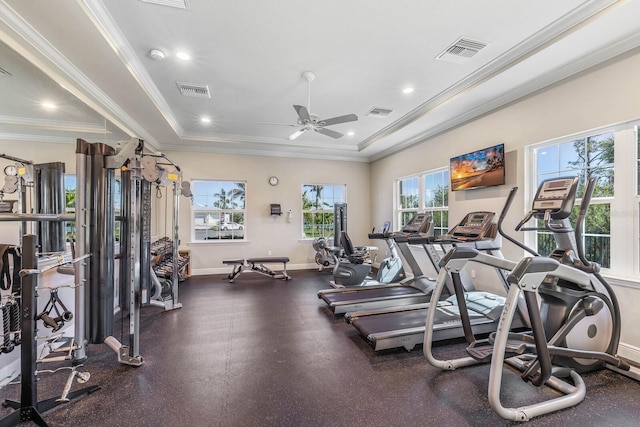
x: 421, y: 196
x: 328, y: 210
x: 220, y: 211
x: 625, y: 209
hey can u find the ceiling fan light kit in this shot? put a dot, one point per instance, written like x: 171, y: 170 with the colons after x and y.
x: 307, y: 121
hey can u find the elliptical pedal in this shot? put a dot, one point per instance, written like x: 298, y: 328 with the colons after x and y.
x: 482, y: 350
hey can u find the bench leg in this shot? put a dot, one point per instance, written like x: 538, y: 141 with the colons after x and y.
x: 285, y: 276
x: 263, y: 269
x: 266, y: 271
x: 237, y: 269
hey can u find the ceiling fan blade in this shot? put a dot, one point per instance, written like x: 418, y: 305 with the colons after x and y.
x: 297, y: 134
x: 303, y: 113
x: 339, y: 119
x: 329, y: 132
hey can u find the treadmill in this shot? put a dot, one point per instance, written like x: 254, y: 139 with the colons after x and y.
x: 395, y: 327
x: 415, y: 291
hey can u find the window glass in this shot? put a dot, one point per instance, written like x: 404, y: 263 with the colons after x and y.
x: 70, y: 204
x: 426, y: 192
x: 590, y: 157
x: 409, y: 193
x: 318, y: 201
x: 218, y: 210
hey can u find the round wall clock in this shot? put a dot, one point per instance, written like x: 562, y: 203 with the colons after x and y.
x: 11, y: 170
x: 273, y: 180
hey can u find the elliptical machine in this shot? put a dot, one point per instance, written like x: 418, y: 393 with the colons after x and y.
x: 576, y: 327
x: 566, y: 299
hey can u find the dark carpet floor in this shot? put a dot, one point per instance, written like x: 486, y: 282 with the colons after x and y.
x: 263, y: 352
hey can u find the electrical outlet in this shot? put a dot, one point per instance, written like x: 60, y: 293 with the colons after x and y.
x: 269, y: 253
x: 473, y: 274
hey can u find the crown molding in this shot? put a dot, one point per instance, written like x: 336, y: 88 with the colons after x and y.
x: 572, y: 68
x: 553, y: 32
x: 52, y: 62
x: 284, y: 150
x: 105, y: 24
x: 58, y: 125
x: 14, y: 137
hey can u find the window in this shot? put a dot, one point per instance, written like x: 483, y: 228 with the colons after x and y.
x: 436, y: 200
x: 318, y: 201
x: 218, y: 210
x: 427, y: 192
x: 70, y: 186
x: 588, y: 157
x: 70, y: 205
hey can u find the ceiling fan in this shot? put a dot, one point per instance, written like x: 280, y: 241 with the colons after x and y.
x: 307, y: 121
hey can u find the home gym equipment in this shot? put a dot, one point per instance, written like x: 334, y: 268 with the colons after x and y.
x: 404, y: 326
x: 353, y: 265
x: 62, y: 313
x: 95, y: 219
x: 390, y: 269
x: 324, y: 257
x: 412, y: 291
x: 11, y: 324
x: 257, y: 265
x: 353, y: 268
x: 28, y: 408
x: 50, y: 176
x: 162, y: 267
x: 339, y: 222
x: 574, y: 315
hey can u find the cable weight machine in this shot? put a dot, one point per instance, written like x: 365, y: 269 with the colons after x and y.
x: 95, y: 218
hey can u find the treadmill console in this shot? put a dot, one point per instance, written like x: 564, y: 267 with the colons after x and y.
x: 474, y: 226
x: 556, y: 195
x: 420, y: 223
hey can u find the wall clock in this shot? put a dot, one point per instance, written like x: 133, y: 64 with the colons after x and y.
x: 273, y: 180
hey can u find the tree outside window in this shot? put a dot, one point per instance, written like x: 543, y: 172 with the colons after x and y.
x: 427, y: 192
x: 218, y: 210
x: 318, y: 201
x: 590, y: 157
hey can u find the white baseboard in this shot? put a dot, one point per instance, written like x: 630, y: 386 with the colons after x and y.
x: 630, y: 352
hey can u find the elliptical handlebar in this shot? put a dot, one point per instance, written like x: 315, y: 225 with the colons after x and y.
x: 503, y: 214
x: 584, y: 206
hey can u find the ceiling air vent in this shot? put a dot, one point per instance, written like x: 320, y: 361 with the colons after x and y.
x: 379, y: 112
x: 462, y: 50
x: 4, y: 72
x: 190, y: 89
x: 178, y: 4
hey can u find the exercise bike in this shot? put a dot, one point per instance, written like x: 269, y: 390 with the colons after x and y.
x: 354, y: 266
x: 572, y: 311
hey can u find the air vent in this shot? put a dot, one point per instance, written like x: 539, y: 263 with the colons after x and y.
x: 178, y: 4
x: 462, y: 50
x: 4, y: 72
x: 190, y: 89
x: 379, y: 112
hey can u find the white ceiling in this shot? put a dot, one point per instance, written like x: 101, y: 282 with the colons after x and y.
x: 251, y: 55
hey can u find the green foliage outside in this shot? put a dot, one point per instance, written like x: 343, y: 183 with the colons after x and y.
x: 594, y: 158
x: 316, y: 224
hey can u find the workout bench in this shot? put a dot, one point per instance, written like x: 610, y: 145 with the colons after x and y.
x: 258, y: 265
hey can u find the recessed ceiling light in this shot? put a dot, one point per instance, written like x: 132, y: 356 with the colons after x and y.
x: 183, y: 55
x: 351, y: 133
x: 205, y: 120
x: 407, y: 90
x: 48, y: 105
